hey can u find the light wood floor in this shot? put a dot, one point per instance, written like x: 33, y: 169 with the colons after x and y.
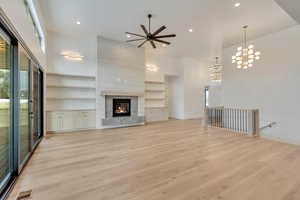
x: 173, y: 160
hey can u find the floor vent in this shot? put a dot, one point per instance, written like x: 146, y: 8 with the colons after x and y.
x: 26, y: 195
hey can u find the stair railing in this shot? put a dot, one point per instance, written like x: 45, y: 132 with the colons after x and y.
x: 239, y: 120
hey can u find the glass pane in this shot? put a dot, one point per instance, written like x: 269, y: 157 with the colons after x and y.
x: 5, y: 114
x: 35, y: 104
x: 24, y: 64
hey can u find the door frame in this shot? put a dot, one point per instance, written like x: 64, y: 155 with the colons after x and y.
x: 14, y: 111
x: 33, y: 144
x: 16, y: 41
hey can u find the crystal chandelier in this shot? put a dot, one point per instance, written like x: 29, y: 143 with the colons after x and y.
x: 246, y: 55
x: 215, y: 71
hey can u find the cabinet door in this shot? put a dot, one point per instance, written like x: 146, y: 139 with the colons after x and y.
x: 85, y: 119
x: 51, y: 122
x: 76, y: 119
x: 58, y: 121
x: 92, y: 119
x: 67, y: 122
x: 80, y: 119
x: 54, y: 121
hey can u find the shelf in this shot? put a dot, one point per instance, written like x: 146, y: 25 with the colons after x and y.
x: 71, y: 76
x: 58, y: 110
x: 155, y: 98
x: 72, y: 87
x: 155, y: 82
x: 155, y: 106
x: 71, y: 98
x: 155, y: 90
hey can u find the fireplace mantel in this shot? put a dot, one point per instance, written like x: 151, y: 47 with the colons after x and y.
x: 120, y: 93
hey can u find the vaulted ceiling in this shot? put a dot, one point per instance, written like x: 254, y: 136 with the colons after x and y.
x: 292, y: 7
x: 215, y: 23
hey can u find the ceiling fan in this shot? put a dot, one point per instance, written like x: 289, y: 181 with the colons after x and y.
x: 151, y: 37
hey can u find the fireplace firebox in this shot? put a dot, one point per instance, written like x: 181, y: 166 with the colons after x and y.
x: 121, y: 107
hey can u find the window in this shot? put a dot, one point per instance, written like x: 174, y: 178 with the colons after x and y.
x: 32, y: 14
x: 6, y: 143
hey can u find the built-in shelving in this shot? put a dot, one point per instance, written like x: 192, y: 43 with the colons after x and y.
x: 155, y: 82
x: 68, y: 92
x: 155, y: 106
x: 68, y: 86
x: 153, y: 98
x: 71, y: 98
x: 155, y: 94
x: 155, y: 90
x: 71, y: 75
x: 58, y: 110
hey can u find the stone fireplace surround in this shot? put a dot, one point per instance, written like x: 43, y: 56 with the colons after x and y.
x: 136, y: 118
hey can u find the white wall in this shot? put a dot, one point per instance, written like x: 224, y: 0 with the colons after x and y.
x: 169, y: 66
x: 187, y: 80
x: 195, y: 80
x: 272, y: 85
x: 16, y: 12
x: 186, y: 91
x: 85, y: 45
x: 176, y: 97
x: 215, y: 96
x: 120, y: 66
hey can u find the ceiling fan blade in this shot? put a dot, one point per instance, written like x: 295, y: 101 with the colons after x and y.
x: 159, y: 30
x: 161, y: 41
x: 142, y: 44
x: 145, y: 30
x: 165, y: 36
x: 135, y: 40
x: 153, y: 44
x: 135, y: 34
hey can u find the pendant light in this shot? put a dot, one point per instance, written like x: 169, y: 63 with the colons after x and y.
x: 246, y: 55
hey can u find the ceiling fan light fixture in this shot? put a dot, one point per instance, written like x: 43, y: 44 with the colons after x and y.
x: 150, y: 36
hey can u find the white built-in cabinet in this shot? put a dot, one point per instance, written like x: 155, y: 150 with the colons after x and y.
x: 60, y: 121
x: 84, y: 119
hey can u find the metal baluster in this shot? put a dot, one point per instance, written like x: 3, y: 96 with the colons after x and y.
x: 240, y: 120
x: 243, y: 120
x: 236, y: 120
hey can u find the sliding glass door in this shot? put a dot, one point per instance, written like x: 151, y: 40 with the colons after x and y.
x: 5, y: 109
x: 24, y: 133
x: 21, y: 106
x: 35, y: 100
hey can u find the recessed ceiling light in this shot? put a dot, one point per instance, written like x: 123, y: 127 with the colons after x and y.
x: 164, y: 45
x: 128, y: 36
x: 237, y: 4
x: 191, y: 30
x: 78, y: 23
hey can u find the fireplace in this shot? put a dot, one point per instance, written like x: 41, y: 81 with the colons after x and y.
x: 121, y: 107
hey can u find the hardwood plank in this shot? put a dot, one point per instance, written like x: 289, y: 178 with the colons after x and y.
x: 177, y: 159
